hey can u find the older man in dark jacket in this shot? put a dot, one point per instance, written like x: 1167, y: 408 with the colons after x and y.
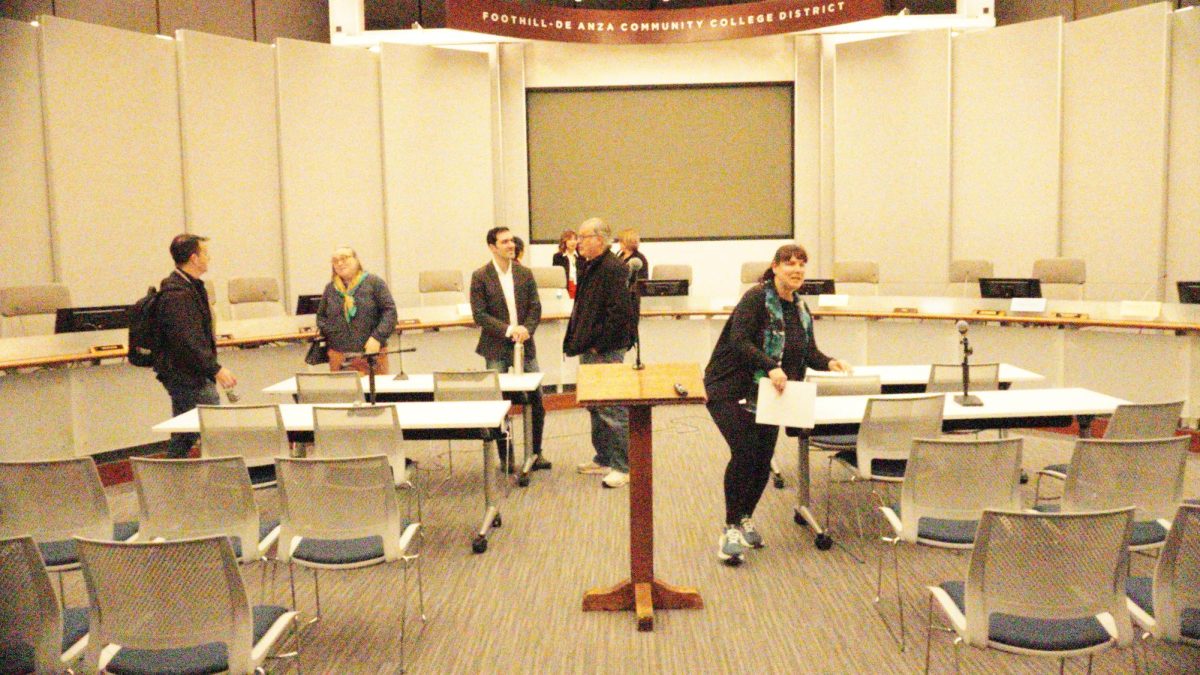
x: 186, y: 358
x: 601, y: 331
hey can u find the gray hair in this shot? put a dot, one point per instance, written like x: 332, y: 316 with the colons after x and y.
x: 601, y: 228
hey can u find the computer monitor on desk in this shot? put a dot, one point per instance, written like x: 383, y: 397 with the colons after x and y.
x: 307, y: 304
x: 662, y: 287
x: 817, y: 287
x: 992, y: 287
x: 80, y: 319
x: 1189, y: 292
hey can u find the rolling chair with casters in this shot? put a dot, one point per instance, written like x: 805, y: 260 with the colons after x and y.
x: 253, y: 432
x: 1167, y: 605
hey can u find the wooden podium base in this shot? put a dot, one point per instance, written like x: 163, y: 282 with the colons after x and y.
x: 642, y: 598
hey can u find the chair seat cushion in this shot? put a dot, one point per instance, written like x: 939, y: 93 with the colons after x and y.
x: 75, y: 626
x: 1056, y: 468
x: 1141, y: 591
x: 1049, y: 635
x: 62, y: 552
x: 1190, y: 618
x: 262, y: 476
x: 208, y: 658
x: 835, y: 441
x: 945, y: 530
x: 264, y: 528
x: 883, y: 468
x: 1142, y: 533
x: 339, y: 551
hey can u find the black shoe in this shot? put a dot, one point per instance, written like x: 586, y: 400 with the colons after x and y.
x: 540, y: 464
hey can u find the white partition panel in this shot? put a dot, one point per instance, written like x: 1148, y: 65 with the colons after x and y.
x: 112, y: 143
x: 437, y: 130
x: 24, y: 211
x: 231, y: 153
x: 1005, y: 163
x: 892, y: 159
x: 806, y: 161
x: 329, y: 156
x: 1115, y: 69
x: 1183, y: 189
x: 513, y: 179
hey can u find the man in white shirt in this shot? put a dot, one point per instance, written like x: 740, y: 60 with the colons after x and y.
x: 505, y: 305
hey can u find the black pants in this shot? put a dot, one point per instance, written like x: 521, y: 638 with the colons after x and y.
x: 537, y: 408
x: 751, y: 447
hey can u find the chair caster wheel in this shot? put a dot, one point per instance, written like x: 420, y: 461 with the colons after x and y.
x: 523, y: 481
x: 1024, y: 477
x: 799, y: 519
x: 823, y: 541
x: 496, y: 522
x: 479, y: 544
x: 779, y: 483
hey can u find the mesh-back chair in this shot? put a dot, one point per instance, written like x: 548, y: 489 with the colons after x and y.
x: 188, y: 498
x: 175, y: 607
x: 441, y: 287
x: 1129, y: 420
x: 360, y: 431
x: 254, y: 297
x: 947, y: 377
x: 342, y: 387
x: 467, y: 385
x: 1061, y: 278
x: 340, y: 514
x: 964, y: 277
x: 1167, y: 606
x: 842, y: 385
x: 1042, y: 585
x: 947, y: 485
x: 885, y: 438
x: 1147, y: 474
x: 53, y: 501
x: 36, y: 634
x: 253, y: 432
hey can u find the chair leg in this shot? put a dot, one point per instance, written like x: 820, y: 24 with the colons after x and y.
x: 62, y: 595
x: 957, y: 655
x: 317, y: 590
x: 929, y: 634
x: 893, y: 543
x: 403, y: 609
x: 1089, y: 670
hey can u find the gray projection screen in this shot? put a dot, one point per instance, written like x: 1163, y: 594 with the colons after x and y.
x: 674, y: 163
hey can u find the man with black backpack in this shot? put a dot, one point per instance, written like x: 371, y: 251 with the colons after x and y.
x: 185, y: 357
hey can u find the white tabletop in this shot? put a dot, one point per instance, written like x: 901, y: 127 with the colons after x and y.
x: 421, y: 383
x: 919, y: 374
x: 1013, y: 403
x: 415, y: 415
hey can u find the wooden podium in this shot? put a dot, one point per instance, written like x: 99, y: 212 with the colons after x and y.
x: 639, y: 391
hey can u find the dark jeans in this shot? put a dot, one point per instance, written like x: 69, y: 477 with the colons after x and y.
x: 610, y: 424
x: 751, y: 447
x: 537, y: 409
x: 184, y: 397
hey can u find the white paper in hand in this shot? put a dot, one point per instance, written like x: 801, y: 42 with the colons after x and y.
x: 795, y: 407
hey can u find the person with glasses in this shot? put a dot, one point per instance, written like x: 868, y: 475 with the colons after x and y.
x: 601, y: 331
x: 356, y: 315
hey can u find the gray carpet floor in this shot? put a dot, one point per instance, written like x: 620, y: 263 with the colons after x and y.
x: 517, y: 607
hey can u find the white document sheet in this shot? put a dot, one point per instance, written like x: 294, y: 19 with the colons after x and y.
x: 795, y: 407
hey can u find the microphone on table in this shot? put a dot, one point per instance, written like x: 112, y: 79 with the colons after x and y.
x: 966, y: 399
x: 635, y: 266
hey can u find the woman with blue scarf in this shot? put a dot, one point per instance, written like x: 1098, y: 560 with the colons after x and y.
x: 769, y: 334
x: 357, y: 314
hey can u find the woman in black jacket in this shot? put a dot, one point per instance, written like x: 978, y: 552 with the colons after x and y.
x: 568, y: 258
x: 768, y: 335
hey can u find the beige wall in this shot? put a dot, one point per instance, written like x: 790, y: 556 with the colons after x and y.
x: 1183, y: 161
x: 25, y: 256
x: 113, y: 156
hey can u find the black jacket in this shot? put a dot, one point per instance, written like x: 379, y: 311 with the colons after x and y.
x: 491, y: 312
x: 739, y: 351
x: 187, y: 350
x: 603, y: 317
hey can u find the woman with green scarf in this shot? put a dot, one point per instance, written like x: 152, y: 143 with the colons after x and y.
x: 769, y: 334
x: 357, y: 314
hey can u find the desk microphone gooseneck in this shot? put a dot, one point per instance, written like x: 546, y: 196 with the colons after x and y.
x: 635, y: 266
x: 966, y: 399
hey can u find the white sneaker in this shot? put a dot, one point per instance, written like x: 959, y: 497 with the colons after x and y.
x: 592, y: 468
x: 616, y: 479
x: 731, y: 547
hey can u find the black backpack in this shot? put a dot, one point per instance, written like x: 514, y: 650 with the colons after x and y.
x: 143, y: 329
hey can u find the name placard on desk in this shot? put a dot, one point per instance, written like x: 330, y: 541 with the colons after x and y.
x: 408, y: 322
x: 833, y: 300
x: 1134, y: 309
x: 1028, y: 305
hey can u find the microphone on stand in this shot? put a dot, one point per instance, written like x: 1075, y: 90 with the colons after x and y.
x: 635, y: 266
x: 966, y: 399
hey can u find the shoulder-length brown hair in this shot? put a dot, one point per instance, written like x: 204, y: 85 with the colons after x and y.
x: 562, y: 239
x: 783, y: 254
